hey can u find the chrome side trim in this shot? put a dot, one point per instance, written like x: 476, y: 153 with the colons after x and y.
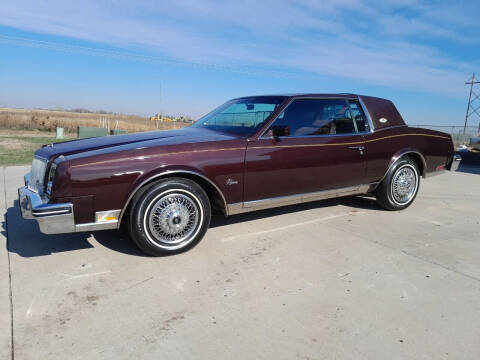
x: 269, y: 203
x: 318, y: 136
x: 236, y: 208
x: 106, y: 225
x: 165, y: 173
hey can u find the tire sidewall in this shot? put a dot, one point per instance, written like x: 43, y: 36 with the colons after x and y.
x: 139, y: 229
x: 402, y: 163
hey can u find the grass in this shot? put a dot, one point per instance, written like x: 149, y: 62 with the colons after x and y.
x: 19, y: 150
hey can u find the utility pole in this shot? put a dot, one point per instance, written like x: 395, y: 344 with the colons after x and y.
x: 470, y: 105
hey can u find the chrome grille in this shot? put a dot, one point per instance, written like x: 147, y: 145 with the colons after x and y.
x: 37, y: 174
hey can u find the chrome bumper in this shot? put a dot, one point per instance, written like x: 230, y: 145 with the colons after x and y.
x: 51, y: 218
x: 455, y: 162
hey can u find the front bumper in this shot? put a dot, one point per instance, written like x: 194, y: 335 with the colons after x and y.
x: 51, y: 218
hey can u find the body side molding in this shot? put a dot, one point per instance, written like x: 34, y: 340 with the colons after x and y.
x: 269, y: 203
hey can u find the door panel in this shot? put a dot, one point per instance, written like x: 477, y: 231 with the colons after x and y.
x: 301, y: 165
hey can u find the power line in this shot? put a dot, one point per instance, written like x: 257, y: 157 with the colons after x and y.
x: 130, y: 56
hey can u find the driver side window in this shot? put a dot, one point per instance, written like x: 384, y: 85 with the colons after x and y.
x: 307, y: 117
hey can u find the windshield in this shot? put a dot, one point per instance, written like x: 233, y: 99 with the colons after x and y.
x: 240, y: 116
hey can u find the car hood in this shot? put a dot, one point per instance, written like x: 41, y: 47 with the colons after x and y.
x: 170, y: 137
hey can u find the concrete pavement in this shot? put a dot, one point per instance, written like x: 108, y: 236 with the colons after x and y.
x: 339, y: 279
x: 5, y: 299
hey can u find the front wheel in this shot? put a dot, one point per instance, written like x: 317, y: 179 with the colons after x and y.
x: 169, y: 217
x: 400, y: 186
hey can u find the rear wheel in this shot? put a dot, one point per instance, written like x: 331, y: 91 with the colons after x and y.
x: 169, y: 217
x: 400, y: 186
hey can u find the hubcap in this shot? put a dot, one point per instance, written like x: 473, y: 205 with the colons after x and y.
x: 173, y: 218
x: 404, y: 184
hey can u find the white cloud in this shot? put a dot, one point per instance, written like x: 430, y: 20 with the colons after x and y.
x: 379, y: 43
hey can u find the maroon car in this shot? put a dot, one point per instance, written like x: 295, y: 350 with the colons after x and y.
x: 251, y: 153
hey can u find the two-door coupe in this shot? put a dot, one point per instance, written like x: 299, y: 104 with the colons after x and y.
x: 251, y: 153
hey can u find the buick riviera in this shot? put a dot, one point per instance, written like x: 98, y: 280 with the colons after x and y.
x: 250, y: 153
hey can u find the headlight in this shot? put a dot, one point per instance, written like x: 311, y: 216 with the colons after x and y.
x: 51, y: 175
x: 37, y: 174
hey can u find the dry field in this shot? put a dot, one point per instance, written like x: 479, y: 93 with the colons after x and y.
x: 22, y: 131
x: 49, y: 120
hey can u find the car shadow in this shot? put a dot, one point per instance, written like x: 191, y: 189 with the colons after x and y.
x: 25, y: 239
x: 358, y: 202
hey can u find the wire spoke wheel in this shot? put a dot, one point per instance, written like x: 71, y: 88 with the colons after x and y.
x: 169, y: 216
x: 404, y: 184
x: 173, y: 218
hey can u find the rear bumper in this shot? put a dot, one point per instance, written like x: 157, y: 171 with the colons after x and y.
x: 454, y: 162
x: 51, y: 218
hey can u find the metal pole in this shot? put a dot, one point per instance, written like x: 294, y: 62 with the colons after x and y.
x: 468, y: 106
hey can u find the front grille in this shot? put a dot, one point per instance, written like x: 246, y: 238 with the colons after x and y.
x: 37, y: 174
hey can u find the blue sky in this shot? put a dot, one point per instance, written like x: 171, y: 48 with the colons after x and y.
x: 186, y: 57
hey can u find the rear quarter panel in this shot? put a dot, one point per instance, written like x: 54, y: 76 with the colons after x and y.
x: 385, y: 145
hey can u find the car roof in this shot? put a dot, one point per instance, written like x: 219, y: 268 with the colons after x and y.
x: 290, y: 95
x: 318, y: 95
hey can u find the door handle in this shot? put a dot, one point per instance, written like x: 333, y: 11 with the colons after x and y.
x: 360, y: 148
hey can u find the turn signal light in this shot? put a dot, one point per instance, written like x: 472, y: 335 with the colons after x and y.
x: 107, y: 216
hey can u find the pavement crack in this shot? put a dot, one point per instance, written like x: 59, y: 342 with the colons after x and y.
x: 10, y: 294
x: 437, y: 264
x: 413, y: 256
x: 137, y: 284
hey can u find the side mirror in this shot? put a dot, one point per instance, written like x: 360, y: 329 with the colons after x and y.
x: 280, y: 130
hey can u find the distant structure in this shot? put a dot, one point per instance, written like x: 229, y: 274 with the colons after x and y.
x: 472, y: 107
x: 156, y: 117
x: 160, y: 117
